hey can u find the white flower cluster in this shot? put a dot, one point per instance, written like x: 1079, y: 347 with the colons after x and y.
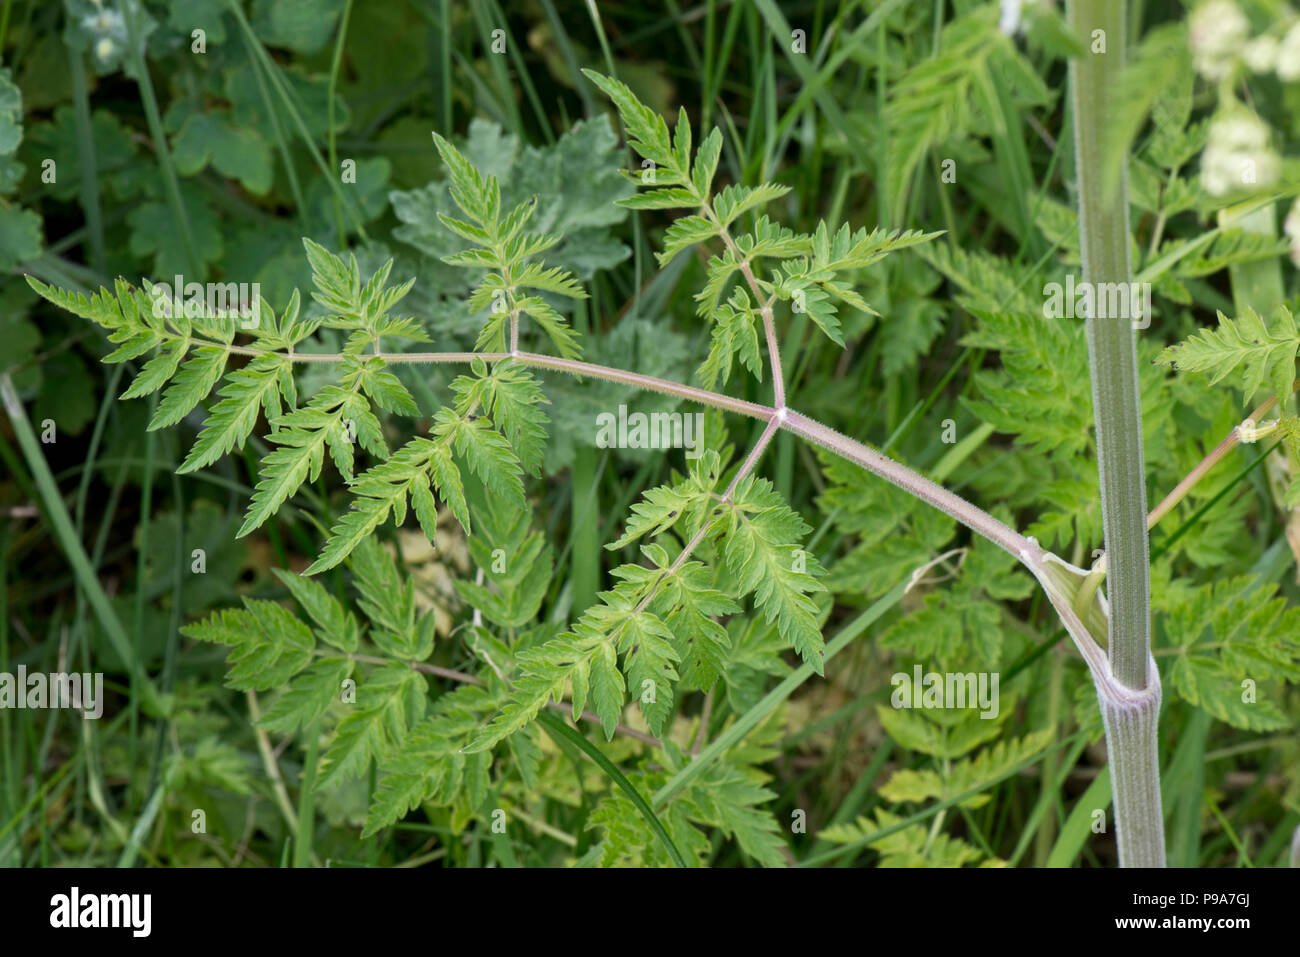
x: 1217, y: 31
x: 1219, y: 34
x: 1238, y: 155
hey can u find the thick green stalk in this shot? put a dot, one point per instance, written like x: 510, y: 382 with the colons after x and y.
x: 1132, y: 722
x: 1104, y: 244
x: 1128, y: 689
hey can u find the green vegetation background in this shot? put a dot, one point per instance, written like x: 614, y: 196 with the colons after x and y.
x: 124, y: 152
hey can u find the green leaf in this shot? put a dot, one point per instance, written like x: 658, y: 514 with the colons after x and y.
x: 284, y: 470
x: 337, y: 625
x: 155, y: 232
x: 478, y: 198
x: 474, y: 259
x: 387, y: 390
x: 1262, y: 354
x: 20, y: 236
x: 761, y: 549
x: 556, y: 280
x: 307, y: 696
x: 947, y: 95
x: 735, y: 336
x: 684, y: 233
x: 664, y: 506
x: 235, y: 152
x: 553, y: 324
x: 302, y: 437
x: 425, y: 507
x: 513, y: 399
x: 1240, y: 649
x: 772, y: 240
x: 403, y: 788
x: 386, y: 599
x: 487, y: 453
x: 979, y: 773
x: 516, y: 561
x: 570, y: 186
x: 650, y: 657
x: 706, y: 163
x: 1205, y: 682
x: 813, y: 300
x: 11, y: 113
x: 338, y: 284
x: 390, y: 700
x: 446, y: 477
x: 647, y: 133
x: 858, y: 250
x: 357, y: 524
x: 246, y: 393
x: 544, y: 672
x: 381, y: 490
x: 123, y: 311
x: 721, y: 271
x: 191, y: 386
x: 911, y: 846
x: 303, y: 26
x: 726, y: 797
x: 736, y: 200
x: 268, y: 645
x: 429, y: 765
x: 1160, y: 63
x: 607, y: 688
x: 157, y: 370
x: 670, y: 198
x: 702, y: 643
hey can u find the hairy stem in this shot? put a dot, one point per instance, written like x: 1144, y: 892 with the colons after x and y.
x: 1112, y: 349
x: 1127, y: 682
x: 972, y: 516
x: 538, y: 361
x: 905, y: 478
x: 1132, y: 721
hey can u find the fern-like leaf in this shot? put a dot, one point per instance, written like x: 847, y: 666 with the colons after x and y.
x: 1262, y: 354
x: 761, y: 549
